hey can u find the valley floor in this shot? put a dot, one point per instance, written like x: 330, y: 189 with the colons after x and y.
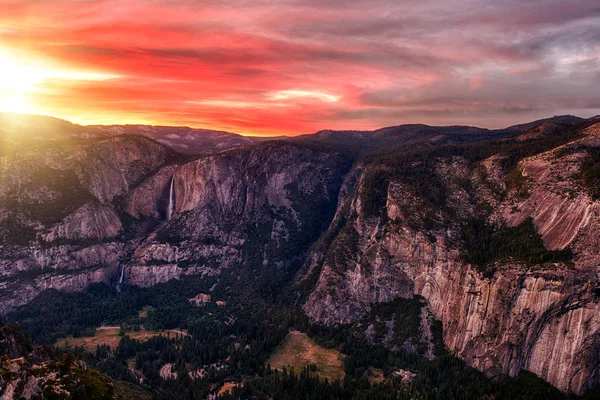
x: 110, y: 336
x: 252, y: 346
x: 299, y: 351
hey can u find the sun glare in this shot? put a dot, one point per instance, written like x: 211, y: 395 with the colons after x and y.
x: 17, y: 81
x: 22, y: 79
x: 15, y: 103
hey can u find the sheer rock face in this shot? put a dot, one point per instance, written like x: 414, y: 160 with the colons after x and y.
x: 103, y: 168
x: 150, y: 275
x: 119, y: 164
x: 149, y: 199
x: 64, y: 267
x: 253, y: 206
x: 90, y: 221
x: 540, y: 318
x: 59, y: 224
x: 555, y: 201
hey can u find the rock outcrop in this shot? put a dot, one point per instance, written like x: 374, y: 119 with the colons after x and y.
x: 83, y: 212
x: 29, y: 371
x: 253, y: 206
x: 90, y: 221
x: 543, y: 318
x: 60, y: 223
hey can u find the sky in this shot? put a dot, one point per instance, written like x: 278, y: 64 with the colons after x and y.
x: 290, y: 67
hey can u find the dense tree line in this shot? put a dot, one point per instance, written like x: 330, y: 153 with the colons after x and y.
x: 485, y: 243
x: 233, y: 342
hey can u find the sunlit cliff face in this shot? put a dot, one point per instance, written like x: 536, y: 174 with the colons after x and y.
x: 296, y: 66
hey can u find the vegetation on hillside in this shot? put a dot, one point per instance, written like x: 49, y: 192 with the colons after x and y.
x: 374, y: 191
x: 590, y: 172
x: 64, y: 194
x: 416, y: 165
x: 28, y: 370
x: 484, y: 243
x: 298, y: 351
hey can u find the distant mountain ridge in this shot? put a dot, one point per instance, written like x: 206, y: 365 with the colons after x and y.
x: 16, y: 130
x: 19, y: 130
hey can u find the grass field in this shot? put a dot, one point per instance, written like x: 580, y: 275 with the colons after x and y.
x: 144, y: 312
x: 110, y: 335
x: 227, y: 387
x: 299, y: 351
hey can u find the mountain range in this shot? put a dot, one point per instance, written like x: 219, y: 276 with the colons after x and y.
x: 498, y: 231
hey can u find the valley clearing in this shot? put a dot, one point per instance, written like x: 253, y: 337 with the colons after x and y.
x: 299, y: 351
x: 109, y: 335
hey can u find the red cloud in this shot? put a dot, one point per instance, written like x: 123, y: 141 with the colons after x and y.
x: 358, y: 66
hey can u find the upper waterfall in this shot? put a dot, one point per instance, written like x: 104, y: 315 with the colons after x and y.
x: 171, y: 205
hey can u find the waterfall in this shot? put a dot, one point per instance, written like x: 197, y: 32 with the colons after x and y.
x: 171, y: 206
x: 122, y: 273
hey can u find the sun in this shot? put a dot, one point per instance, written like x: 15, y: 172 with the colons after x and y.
x: 17, y: 83
x: 15, y: 103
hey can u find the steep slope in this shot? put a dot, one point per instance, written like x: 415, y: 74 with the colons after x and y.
x: 28, y: 371
x: 404, y: 232
x: 128, y: 208
x: 59, y: 225
x: 258, y: 206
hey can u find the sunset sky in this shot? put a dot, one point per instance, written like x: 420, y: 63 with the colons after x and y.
x: 297, y: 66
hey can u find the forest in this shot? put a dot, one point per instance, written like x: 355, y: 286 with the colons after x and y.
x: 230, y: 343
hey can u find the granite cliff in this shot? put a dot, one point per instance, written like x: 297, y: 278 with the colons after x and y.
x: 125, y: 207
x: 508, y: 315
